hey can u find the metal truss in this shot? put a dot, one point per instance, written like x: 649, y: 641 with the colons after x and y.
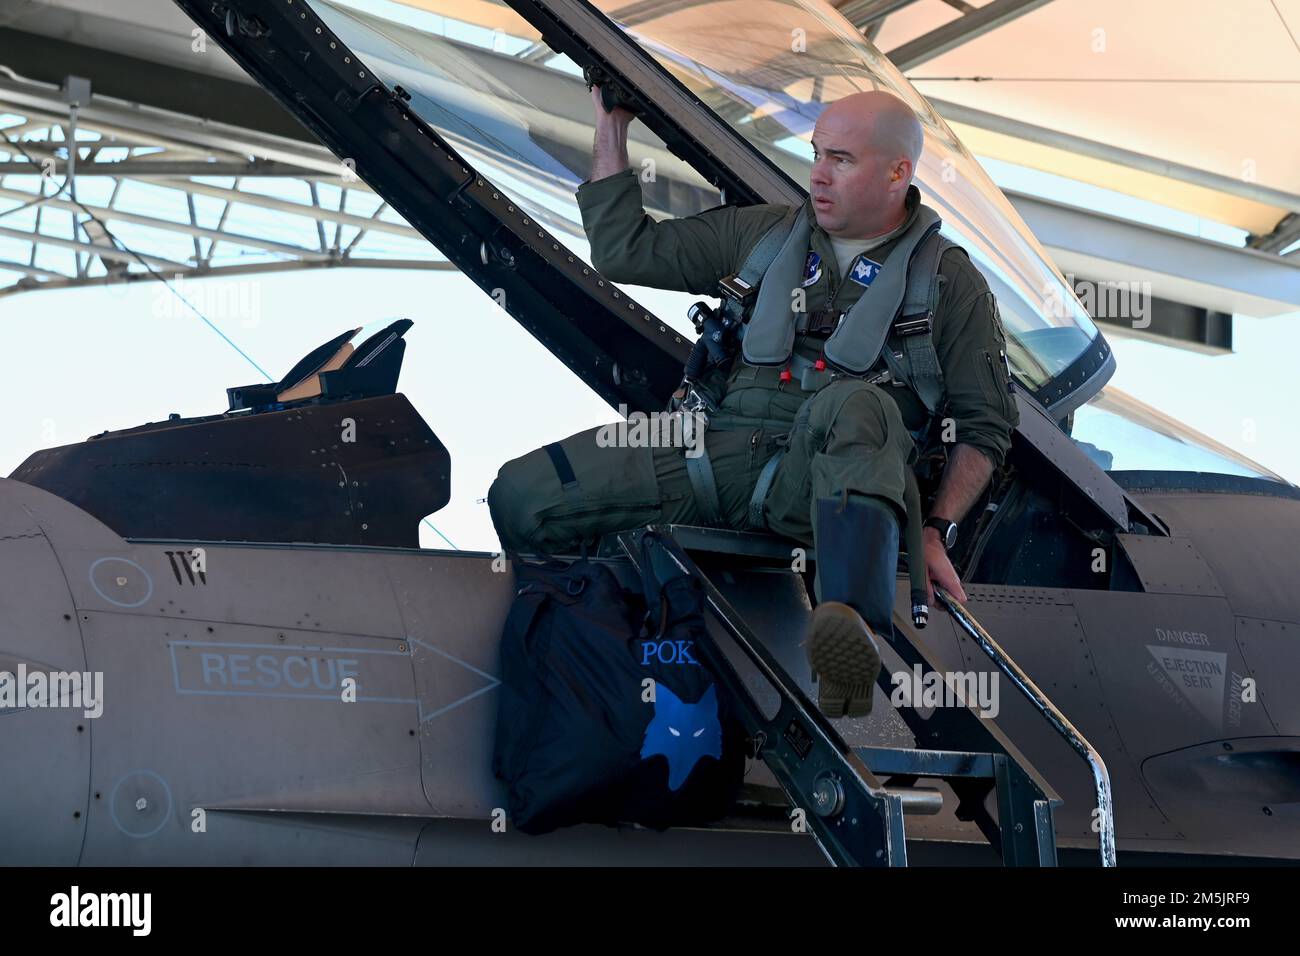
x: 176, y: 185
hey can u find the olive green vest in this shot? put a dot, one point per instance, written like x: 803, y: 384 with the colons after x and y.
x: 856, y: 344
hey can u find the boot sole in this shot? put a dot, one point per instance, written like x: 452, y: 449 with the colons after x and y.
x: 845, y: 660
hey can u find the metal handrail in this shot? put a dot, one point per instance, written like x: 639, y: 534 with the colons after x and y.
x: 1100, y: 776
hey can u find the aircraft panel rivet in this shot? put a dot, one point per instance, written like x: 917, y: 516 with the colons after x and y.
x: 401, y: 647
x: 121, y: 582
x: 365, y: 527
x: 142, y: 804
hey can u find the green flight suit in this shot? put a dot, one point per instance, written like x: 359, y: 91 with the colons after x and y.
x: 848, y: 437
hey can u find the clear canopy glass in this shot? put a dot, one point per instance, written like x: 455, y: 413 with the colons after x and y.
x: 1120, y: 433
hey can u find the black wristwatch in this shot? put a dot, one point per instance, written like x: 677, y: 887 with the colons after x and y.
x: 947, y: 530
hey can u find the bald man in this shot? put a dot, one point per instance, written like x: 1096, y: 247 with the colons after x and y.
x: 809, y: 434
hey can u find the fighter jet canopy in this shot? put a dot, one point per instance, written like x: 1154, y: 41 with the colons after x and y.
x: 490, y: 82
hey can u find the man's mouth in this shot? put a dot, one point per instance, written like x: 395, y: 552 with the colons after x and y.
x: 821, y: 202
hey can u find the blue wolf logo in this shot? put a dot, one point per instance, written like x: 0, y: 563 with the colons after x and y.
x: 683, y: 732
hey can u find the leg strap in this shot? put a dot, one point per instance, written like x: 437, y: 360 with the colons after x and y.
x: 755, y: 520
x: 700, y: 471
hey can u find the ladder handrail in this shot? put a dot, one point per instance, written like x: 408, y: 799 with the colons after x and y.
x: 1044, y: 705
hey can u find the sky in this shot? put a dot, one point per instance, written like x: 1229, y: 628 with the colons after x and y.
x: 85, y: 360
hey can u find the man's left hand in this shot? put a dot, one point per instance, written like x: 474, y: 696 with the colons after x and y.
x: 939, y: 569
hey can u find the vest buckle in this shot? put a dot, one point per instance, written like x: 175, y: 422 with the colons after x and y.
x: 823, y: 322
x: 920, y: 324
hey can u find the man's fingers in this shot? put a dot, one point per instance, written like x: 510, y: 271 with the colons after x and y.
x: 952, y: 584
x: 944, y: 575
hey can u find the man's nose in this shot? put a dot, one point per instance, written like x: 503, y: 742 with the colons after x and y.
x: 818, y: 175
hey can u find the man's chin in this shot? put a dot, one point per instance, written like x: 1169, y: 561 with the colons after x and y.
x: 826, y: 220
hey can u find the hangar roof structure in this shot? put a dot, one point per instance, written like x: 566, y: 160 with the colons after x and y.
x: 185, y: 167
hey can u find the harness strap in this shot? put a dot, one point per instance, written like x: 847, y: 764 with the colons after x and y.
x: 760, y: 257
x: 914, y: 327
x: 761, y: 488
x: 700, y: 471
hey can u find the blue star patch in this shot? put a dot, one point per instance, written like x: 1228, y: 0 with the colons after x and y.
x: 864, y: 271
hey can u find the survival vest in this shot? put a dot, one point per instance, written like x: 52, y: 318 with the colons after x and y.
x: 892, y: 321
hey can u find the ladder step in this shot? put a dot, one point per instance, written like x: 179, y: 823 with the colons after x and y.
x: 886, y: 761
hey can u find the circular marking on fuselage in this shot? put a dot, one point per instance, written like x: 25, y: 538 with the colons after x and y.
x: 106, y: 573
x: 141, y: 804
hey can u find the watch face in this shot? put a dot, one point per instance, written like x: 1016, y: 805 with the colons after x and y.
x: 947, y: 531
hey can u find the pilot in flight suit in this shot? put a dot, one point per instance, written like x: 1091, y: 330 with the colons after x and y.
x: 839, y: 485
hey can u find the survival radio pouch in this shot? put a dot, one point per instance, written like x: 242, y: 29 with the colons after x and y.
x: 606, y: 715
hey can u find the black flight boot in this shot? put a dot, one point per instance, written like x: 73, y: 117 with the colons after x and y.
x: 857, y: 564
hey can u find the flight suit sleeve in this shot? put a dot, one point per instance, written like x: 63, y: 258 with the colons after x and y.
x: 687, y: 254
x: 971, y: 346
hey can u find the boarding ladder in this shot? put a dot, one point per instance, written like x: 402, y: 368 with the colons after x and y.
x: 856, y: 800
